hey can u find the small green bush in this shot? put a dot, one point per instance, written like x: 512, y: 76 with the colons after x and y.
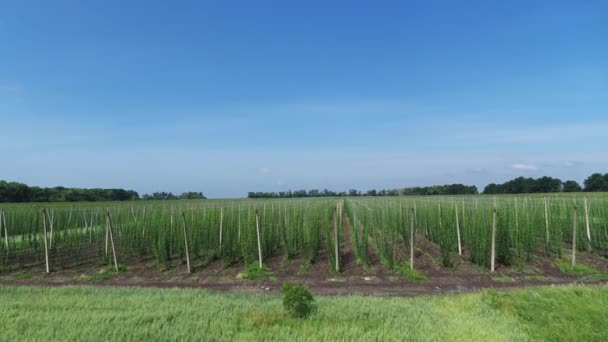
x: 410, y: 274
x: 297, y: 300
x: 255, y: 272
x: 579, y: 269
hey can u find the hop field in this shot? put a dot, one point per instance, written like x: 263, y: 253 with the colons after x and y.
x: 487, y: 231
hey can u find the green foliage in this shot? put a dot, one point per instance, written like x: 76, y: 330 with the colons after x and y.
x: 571, y: 186
x: 107, y: 272
x: 297, y: 300
x: 597, y: 182
x: 14, y: 192
x: 410, y: 274
x: 304, y: 227
x: 255, y: 272
x: 579, y: 269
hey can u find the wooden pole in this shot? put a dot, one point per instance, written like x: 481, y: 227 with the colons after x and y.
x: 547, y: 222
x: 238, y: 233
x: 493, y: 256
x: 587, y: 222
x: 46, y: 247
x: 107, y: 232
x: 412, y: 239
x: 70, y: 217
x: 336, y: 249
x: 574, y: 222
x: 5, y: 229
x: 143, y: 230
x: 516, y: 223
x: 50, y: 218
x: 463, y: 215
x: 221, y: 227
x: 186, y: 243
x: 257, y: 228
x: 111, y: 235
x: 440, y: 221
x: 93, y: 220
x: 415, y: 214
x: 458, y: 231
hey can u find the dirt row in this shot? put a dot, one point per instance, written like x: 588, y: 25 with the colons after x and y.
x: 372, y: 279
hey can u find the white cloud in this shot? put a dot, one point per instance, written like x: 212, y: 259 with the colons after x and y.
x: 524, y: 167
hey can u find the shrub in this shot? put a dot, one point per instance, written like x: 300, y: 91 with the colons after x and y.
x: 255, y: 272
x: 409, y: 273
x: 297, y: 300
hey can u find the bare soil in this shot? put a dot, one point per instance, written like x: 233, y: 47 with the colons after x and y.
x: 372, y: 279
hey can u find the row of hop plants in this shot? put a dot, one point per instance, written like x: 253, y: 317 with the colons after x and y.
x: 219, y: 229
x: 381, y: 225
x: 226, y: 229
x: 524, y: 226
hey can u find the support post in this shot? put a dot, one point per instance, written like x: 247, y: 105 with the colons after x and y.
x: 336, y: 249
x: 547, y: 222
x: 107, y: 232
x: 574, y: 222
x: 5, y: 229
x: 257, y: 228
x: 46, y: 247
x: 458, y: 230
x: 221, y: 227
x: 50, y: 219
x: 493, y: 256
x: 587, y: 223
x: 111, y: 235
x: 186, y: 242
x: 412, y: 239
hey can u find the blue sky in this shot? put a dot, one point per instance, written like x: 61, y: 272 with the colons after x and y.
x: 227, y: 97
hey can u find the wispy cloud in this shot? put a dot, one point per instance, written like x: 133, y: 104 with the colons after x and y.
x: 524, y: 167
x: 542, y: 132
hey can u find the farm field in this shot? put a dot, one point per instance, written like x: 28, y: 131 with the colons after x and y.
x: 561, y: 313
x: 366, y: 245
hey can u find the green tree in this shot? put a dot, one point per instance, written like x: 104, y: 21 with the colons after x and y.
x: 597, y: 182
x: 572, y: 186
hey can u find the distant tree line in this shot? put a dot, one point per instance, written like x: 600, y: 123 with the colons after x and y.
x: 162, y: 196
x: 14, y: 192
x: 296, y: 194
x: 522, y: 185
x: 448, y: 189
x: 451, y: 189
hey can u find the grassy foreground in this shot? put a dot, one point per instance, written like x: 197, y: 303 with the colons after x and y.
x: 572, y: 313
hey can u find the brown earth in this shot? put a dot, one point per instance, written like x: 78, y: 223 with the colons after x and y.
x: 372, y: 279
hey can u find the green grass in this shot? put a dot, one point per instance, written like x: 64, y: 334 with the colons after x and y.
x: 556, y: 314
x: 410, y: 274
x: 502, y: 278
x: 582, y: 271
x: 87, y: 313
x: 107, y: 272
x: 255, y: 272
x: 538, y: 278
